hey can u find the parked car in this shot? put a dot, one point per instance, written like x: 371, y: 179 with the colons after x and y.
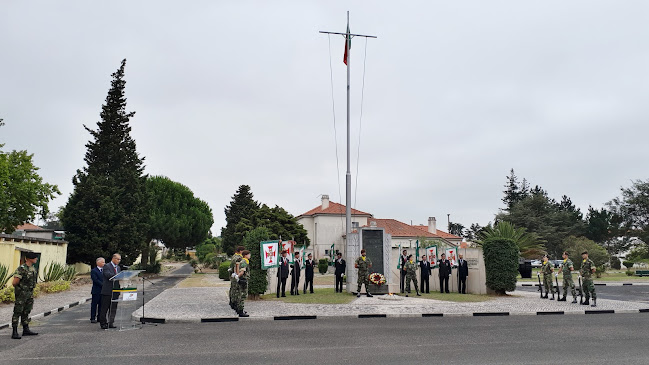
x: 557, y: 263
x: 536, y: 263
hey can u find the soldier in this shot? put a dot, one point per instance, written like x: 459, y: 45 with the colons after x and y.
x: 547, y: 269
x: 244, y: 276
x: 363, y: 264
x: 567, y: 268
x: 24, y: 282
x: 234, y: 269
x: 586, y: 271
x: 411, y: 275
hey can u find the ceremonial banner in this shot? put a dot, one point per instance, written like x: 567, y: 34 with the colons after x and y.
x: 399, y: 260
x: 288, y: 246
x: 451, y: 255
x: 269, y: 254
x: 431, y: 252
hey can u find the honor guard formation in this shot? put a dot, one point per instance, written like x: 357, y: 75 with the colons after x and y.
x: 586, y: 286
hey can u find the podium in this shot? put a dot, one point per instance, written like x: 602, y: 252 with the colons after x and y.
x: 125, y: 295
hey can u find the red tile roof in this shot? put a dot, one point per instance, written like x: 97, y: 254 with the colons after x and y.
x: 333, y: 208
x: 400, y: 229
x: 439, y: 233
x: 28, y: 227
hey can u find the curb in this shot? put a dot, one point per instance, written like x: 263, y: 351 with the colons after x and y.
x: 596, y: 284
x: 50, y: 312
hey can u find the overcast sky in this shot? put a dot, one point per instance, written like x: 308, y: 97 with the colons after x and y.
x: 238, y: 92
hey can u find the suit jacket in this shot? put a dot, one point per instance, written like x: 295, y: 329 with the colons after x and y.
x: 463, y: 269
x: 309, y: 266
x: 403, y: 262
x: 425, y: 268
x: 97, y: 280
x: 444, y: 268
x: 108, y: 286
x: 282, y: 270
x: 296, y: 267
x: 340, y: 267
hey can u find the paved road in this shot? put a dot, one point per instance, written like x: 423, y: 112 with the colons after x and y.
x: 636, y: 293
x: 573, y: 339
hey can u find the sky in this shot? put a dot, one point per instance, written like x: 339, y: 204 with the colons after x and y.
x: 454, y: 95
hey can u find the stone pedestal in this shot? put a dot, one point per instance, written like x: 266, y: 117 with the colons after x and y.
x: 378, y: 247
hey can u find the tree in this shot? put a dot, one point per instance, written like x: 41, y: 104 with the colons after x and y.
x: 176, y: 217
x: 633, y: 207
x: 473, y: 232
x: 258, y: 281
x: 238, y: 218
x: 280, y: 224
x: 53, y: 221
x: 529, y: 245
x: 455, y: 228
x: 501, y: 264
x: 23, y: 194
x: 514, y: 191
x: 576, y: 245
x: 106, y: 212
x: 607, y: 229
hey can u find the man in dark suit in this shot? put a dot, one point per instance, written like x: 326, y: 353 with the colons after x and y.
x: 403, y: 258
x: 341, y: 265
x: 309, y: 267
x: 97, y: 282
x: 282, y: 274
x: 424, y: 264
x: 295, y: 275
x: 107, y: 296
x: 444, y: 273
x: 462, y: 273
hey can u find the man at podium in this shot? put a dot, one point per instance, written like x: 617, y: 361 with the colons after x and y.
x: 107, y: 296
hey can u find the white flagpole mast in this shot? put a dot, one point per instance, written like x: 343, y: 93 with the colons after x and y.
x: 348, y: 176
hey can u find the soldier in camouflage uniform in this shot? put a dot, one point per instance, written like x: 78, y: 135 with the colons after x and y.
x: 244, y: 277
x: 411, y: 275
x: 587, y: 270
x: 233, y: 270
x: 363, y: 264
x: 567, y: 268
x: 547, y: 269
x: 24, y: 282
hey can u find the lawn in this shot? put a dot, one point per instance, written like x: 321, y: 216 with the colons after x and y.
x: 320, y: 296
x: 612, y: 276
x: 200, y: 280
x: 453, y: 297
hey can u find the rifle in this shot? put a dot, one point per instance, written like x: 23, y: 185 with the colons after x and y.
x: 538, y: 275
x: 581, y: 292
x: 556, y: 279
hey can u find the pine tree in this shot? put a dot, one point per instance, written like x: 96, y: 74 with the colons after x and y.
x: 512, y: 191
x: 240, y: 213
x: 106, y: 213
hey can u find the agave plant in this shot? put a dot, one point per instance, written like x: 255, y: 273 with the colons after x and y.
x: 69, y: 273
x: 5, y: 275
x: 529, y: 244
x: 54, y: 271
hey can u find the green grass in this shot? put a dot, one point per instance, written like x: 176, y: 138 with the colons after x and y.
x: 453, y: 297
x: 615, y: 275
x: 320, y: 296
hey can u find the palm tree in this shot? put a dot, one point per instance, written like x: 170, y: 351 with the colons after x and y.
x: 529, y: 244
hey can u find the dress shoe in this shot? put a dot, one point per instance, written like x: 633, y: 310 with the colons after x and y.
x: 93, y: 321
x: 104, y: 326
x: 110, y: 325
x: 283, y: 295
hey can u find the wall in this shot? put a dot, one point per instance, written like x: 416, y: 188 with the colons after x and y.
x: 325, y: 229
x: 50, y: 250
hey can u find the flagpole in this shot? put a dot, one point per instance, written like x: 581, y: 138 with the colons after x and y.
x: 348, y: 176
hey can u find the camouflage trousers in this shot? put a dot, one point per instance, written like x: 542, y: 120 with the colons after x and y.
x: 363, y: 278
x: 588, y: 288
x: 547, y: 283
x: 22, y: 308
x: 411, y: 278
x: 234, y: 292
x: 243, y: 294
x: 567, y: 282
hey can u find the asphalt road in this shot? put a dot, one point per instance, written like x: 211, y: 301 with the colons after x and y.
x: 635, y: 293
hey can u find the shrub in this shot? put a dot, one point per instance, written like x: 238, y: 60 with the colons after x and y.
x: 501, y: 264
x: 576, y: 245
x: 5, y: 275
x: 323, y: 264
x: 615, y: 263
x: 223, y: 270
x: 629, y: 272
x: 599, y: 270
x: 258, y: 281
x: 54, y: 286
x: 7, y: 295
x: 628, y: 264
x: 193, y: 263
x: 203, y: 250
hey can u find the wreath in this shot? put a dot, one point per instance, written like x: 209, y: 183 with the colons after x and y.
x: 377, y: 278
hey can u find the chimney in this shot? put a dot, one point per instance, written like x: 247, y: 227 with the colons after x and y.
x: 325, y: 201
x: 432, y: 225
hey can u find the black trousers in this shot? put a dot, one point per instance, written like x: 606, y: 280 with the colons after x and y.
x: 95, y: 306
x: 462, y: 285
x: 403, y: 280
x: 443, y: 283
x: 282, y: 290
x: 425, y: 283
x: 339, y: 283
x: 308, y: 283
x: 295, y: 285
x: 108, y: 308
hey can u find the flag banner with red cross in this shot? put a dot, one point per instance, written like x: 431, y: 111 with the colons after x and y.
x: 269, y: 254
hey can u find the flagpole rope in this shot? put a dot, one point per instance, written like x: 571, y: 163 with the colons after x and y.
x: 333, y: 108
x: 360, y: 127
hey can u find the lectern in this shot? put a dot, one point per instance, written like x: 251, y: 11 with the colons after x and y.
x: 126, y: 298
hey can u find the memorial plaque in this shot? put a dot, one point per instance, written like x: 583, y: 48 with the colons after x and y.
x: 373, y: 245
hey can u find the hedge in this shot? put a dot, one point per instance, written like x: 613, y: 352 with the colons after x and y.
x: 223, y: 270
x: 501, y: 264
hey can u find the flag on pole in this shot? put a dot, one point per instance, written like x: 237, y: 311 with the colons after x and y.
x: 399, y: 260
x: 270, y: 254
x: 417, y: 252
x: 348, y: 44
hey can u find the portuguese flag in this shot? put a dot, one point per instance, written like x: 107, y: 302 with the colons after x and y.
x: 348, y: 44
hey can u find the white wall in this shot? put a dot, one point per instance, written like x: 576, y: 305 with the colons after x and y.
x: 323, y: 230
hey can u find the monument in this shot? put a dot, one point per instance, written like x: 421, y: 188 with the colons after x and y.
x: 377, y: 245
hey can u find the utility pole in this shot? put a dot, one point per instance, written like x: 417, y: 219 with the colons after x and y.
x: 348, y: 177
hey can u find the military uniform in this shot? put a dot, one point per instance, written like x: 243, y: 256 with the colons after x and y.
x: 363, y: 264
x: 567, y: 279
x: 24, y: 292
x: 588, y: 287
x: 234, y: 285
x: 411, y: 275
x: 547, y: 269
x: 243, y: 284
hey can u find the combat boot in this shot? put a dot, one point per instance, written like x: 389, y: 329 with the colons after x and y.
x: 561, y: 299
x: 574, y: 300
x: 358, y: 295
x: 28, y: 332
x: 552, y: 297
x: 586, y: 302
x: 243, y: 314
x: 15, y: 334
x: 418, y: 293
x: 369, y: 295
x: 594, y: 303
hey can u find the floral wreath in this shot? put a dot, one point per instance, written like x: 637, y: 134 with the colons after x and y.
x: 377, y: 278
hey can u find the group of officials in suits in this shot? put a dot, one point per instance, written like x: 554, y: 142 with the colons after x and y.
x: 295, y: 270
x: 444, y: 273
x: 103, y: 307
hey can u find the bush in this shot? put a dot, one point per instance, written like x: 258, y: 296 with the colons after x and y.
x: 258, y: 282
x: 323, y: 264
x: 203, y: 250
x: 5, y: 275
x: 7, y: 295
x: 56, y: 271
x: 223, y: 270
x: 501, y: 264
x: 54, y: 286
x: 599, y: 270
x: 629, y: 272
x: 628, y: 264
x: 193, y: 263
x: 615, y: 263
x: 576, y: 245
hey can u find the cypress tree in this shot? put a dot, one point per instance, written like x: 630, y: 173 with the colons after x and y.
x: 241, y: 211
x: 106, y: 212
